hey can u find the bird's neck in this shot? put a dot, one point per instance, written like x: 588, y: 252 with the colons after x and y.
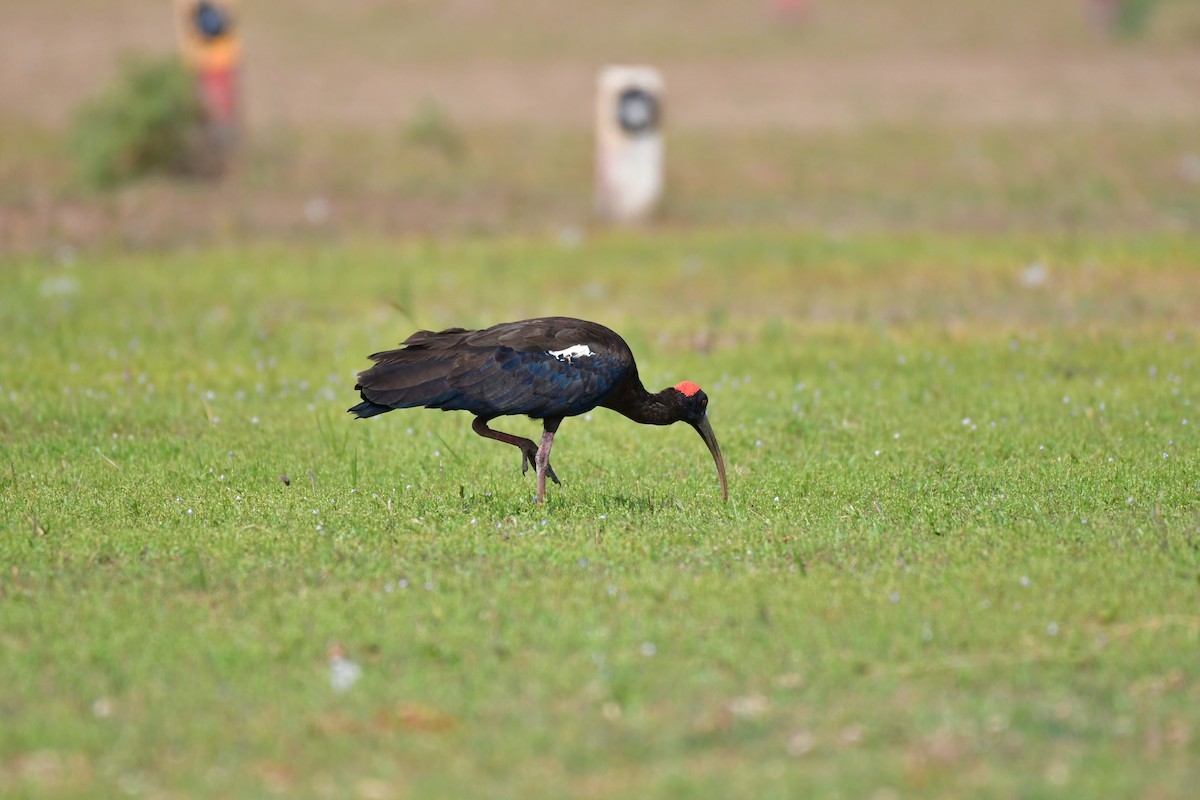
x: 647, y: 408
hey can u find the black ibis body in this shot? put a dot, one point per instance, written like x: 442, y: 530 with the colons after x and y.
x: 548, y: 368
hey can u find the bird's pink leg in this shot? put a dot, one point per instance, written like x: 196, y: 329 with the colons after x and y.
x: 526, y: 446
x: 542, y: 460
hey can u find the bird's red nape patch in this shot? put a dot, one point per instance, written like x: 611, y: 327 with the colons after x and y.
x: 687, y: 388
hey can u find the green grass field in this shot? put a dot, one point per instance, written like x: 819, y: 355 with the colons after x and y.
x: 935, y: 264
x: 959, y: 558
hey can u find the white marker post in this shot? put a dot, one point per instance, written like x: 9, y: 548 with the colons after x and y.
x: 629, y: 145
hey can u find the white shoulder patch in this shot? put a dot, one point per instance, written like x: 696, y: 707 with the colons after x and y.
x: 571, y: 353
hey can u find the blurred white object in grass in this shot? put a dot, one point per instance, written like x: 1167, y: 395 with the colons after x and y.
x: 343, y: 673
x: 1034, y: 275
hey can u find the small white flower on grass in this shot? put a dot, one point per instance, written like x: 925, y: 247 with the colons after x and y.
x: 1052, y: 629
x: 877, y: 452
x: 776, y: 498
x: 758, y: 443
x: 966, y: 421
x: 894, y: 598
x: 343, y: 673
x: 749, y: 707
x: 852, y: 734
x: 254, y: 420
x: 801, y: 743
x: 102, y: 707
x: 1024, y: 580
x: 189, y: 512
x: 1066, y: 400
x: 604, y: 516
x: 1129, y: 500
x: 648, y: 649
x: 1034, y: 275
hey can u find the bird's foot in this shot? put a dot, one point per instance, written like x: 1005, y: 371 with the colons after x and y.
x: 529, y: 457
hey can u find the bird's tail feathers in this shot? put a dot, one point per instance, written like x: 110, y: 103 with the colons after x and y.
x: 403, y: 379
x: 368, y: 409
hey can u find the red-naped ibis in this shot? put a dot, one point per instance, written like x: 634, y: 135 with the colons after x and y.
x: 548, y: 368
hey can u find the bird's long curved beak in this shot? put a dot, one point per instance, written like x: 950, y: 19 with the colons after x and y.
x: 706, y: 433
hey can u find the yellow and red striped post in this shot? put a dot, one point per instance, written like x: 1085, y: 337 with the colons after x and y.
x: 211, y: 48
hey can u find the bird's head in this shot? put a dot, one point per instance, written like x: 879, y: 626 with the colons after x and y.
x: 693, y: 405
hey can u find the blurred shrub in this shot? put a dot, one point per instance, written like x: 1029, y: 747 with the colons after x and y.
x: 431, y: 128
x: 1126, y: 18
x: 149, y: 121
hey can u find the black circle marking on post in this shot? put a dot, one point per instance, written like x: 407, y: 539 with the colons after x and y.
x: 637, y: 111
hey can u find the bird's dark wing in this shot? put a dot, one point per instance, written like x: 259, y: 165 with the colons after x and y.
x: 546, y: 367
x: 538, y: 384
